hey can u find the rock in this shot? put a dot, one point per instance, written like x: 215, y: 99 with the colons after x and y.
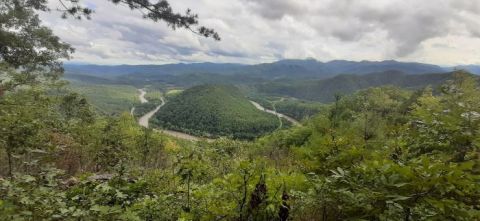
x: 72, y: 181
x: 101, y: 177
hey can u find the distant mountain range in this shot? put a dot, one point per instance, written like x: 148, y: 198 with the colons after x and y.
x: 313, y: 68
x: 281, y: 69
x: 474, y: 69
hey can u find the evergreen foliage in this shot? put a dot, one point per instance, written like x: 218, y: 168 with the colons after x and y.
x: 215, y: 110
x: 380, y: 154
x: 325, y: 90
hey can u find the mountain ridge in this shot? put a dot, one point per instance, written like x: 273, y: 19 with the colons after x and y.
x: 324, y: 90
x: 287, y: 68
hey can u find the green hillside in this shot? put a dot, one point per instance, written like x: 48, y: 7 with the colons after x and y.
x: 325, y: 90
x: 108, y: 99
x: 215, y: 110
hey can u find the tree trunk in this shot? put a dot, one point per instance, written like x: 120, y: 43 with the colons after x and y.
x: 244, y: 199
x: 10, y: 166
x: 407, y: 214
x: 188, y: 193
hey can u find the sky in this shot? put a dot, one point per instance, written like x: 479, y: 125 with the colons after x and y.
x: 443, y: 32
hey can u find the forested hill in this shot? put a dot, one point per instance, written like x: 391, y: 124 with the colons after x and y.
x: 215, y: 110
x: 325, y: 90
x: 312, y: 68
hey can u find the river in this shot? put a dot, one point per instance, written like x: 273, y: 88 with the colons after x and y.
x: 260, y: 107
x: 143, y: 121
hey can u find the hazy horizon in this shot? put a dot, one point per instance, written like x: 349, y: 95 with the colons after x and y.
x: 71, y: 62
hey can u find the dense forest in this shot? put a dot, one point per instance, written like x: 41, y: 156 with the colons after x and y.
x: 215, y: 110
x: 380, y: 154
x: 325, y: 90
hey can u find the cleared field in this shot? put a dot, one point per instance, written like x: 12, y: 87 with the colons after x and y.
x: 153, y: 94
x: 174, y: 92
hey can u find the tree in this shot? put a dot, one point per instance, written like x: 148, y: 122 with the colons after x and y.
x: 72, y: 106
x: 156, y: 10
x: 30, y: 53
x: 20, y: 125
x: 448, y: 123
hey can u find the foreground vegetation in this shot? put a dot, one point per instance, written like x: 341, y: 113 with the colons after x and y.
x: 380, y: 154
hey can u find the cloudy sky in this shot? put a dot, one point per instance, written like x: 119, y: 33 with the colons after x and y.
x: 444, y: 32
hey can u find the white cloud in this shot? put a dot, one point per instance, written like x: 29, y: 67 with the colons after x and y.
x: 443, y: 32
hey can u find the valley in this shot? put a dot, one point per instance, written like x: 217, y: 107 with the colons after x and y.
x: 228, y: 139
x: 206, y: 115
x: 239, y: 110
x: 260, y: 107
x: 144, y: 120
